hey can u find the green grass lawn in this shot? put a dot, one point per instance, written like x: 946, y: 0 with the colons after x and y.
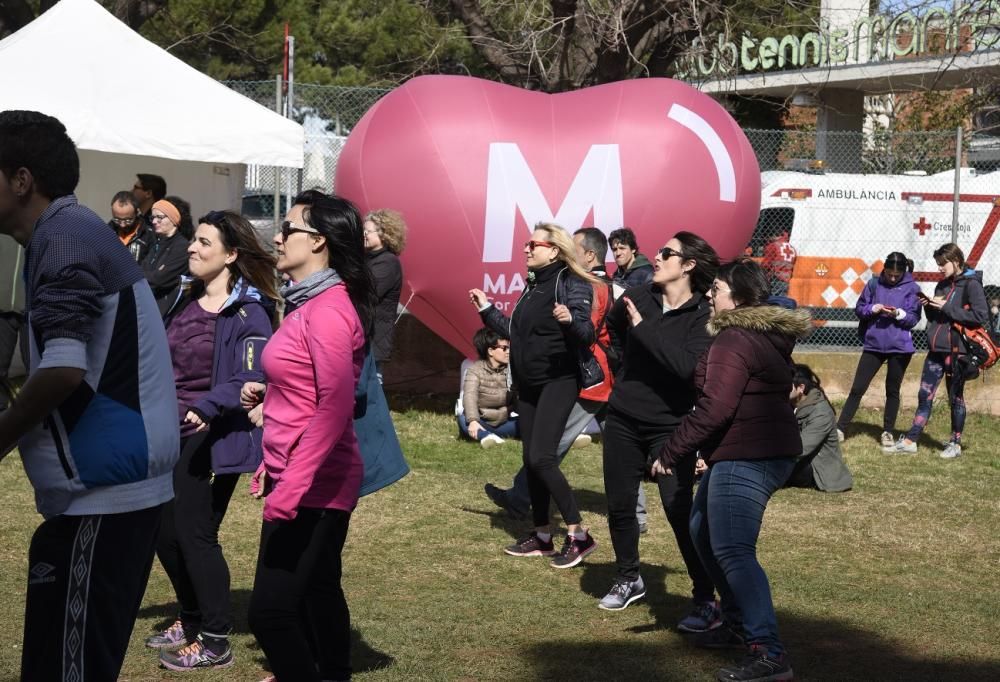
x: 897, y: 579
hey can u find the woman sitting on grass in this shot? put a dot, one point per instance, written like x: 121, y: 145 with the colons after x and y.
x: 486, y: 396
x: 821, y: 464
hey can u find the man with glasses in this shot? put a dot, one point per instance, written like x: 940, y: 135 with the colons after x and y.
x: 127, y: 222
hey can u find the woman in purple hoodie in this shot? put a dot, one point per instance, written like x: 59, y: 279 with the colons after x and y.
x: 216, y: 329
x: 888, y: 310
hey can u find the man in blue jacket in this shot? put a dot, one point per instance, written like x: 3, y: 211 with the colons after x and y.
x: 96, y: 421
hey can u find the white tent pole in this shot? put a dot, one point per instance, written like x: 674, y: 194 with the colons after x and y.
x: 290, y: 107
x: 277, y: 184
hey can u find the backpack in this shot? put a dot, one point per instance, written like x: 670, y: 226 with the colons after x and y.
x: 589, y: 369
x: 983, y: 353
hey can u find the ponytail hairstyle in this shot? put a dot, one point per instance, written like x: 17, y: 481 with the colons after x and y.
x: 567, y: 250
x: 706, y: 260
x: 185, y: 226
x: 253, y: 262
x: 897, y: 261
x: 804, y: 376
x: 339, y: 221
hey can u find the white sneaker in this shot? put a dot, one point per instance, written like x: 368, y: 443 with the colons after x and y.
x: 952, y: 451
x: 888, y: 442
x: 491, y: 440
x: 840, y: 436
x: 582, y: 441
x: 905, y: 447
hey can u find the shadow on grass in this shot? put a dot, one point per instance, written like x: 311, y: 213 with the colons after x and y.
x: 167, y: 613
x: 662, y: 596
x: 500, y: 519
x: 874, y: 432
x: 364, y: 658
x: 591, y: 501
x: 435, y: 403
x: 818, y: 650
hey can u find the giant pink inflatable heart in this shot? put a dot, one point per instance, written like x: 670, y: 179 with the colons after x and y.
x: 472, y: 164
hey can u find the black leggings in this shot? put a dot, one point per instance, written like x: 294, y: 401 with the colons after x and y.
x: 298, y: 612
x: 868, y: 367
x: 543, y: 411
x: 188, y: 544
x: 627, y: 445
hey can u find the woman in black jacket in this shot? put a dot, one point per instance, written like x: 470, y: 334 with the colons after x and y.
x: 660, y: 332
x: 550, y: 332
x: 385, y: 239
x: 167, y: 258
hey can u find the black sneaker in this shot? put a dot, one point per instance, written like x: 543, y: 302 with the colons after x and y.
x: 499, y: 497
x: 531, y: 546
x: 573, y: 551
x: 722, y: 637
x: 757, y: 667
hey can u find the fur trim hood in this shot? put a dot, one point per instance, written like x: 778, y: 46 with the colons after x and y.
x: 765, y: 319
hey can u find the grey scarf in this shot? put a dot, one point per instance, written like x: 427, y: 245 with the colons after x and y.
x: 313, y: 285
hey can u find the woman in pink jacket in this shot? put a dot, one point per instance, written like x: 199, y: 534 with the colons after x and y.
x: 312, y: 469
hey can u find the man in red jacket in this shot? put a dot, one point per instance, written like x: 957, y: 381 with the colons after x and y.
x: 779, y: 261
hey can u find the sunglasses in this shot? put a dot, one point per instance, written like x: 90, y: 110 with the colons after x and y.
x: 289, y: 228
x: 531, y: 244
x: 124, y: 222
x: 666, y: 252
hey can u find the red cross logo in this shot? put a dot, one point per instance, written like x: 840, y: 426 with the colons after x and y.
x: 787, y: 252
x: 922, y: 225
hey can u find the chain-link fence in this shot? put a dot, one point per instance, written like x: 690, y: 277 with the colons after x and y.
x: 833, y: 205
x: 327, y: 113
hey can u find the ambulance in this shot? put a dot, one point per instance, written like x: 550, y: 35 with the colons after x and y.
x: 839, y: 227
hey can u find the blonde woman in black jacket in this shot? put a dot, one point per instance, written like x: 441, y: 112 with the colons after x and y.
x: 550, y: 332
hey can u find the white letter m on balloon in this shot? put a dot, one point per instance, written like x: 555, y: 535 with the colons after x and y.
x: 510, y: 186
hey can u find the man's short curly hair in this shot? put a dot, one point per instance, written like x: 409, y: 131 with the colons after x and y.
x: 391, y: 228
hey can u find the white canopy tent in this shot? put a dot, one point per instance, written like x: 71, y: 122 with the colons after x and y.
x: 79, y: 63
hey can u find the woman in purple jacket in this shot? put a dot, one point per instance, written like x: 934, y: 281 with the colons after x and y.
x: 888, y: 310
x: 216, y: 329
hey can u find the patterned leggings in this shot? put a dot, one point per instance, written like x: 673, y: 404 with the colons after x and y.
x: 936, y: 366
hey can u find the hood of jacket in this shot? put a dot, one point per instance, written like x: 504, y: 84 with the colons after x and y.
x: 243, y: 292
x: 907, y: 278
x: 809, y: 401
x: 637, y: 262
x: 764, y: 319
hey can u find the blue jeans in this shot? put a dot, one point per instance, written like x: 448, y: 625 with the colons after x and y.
x: 725, y: 523
x: 506, y: 430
